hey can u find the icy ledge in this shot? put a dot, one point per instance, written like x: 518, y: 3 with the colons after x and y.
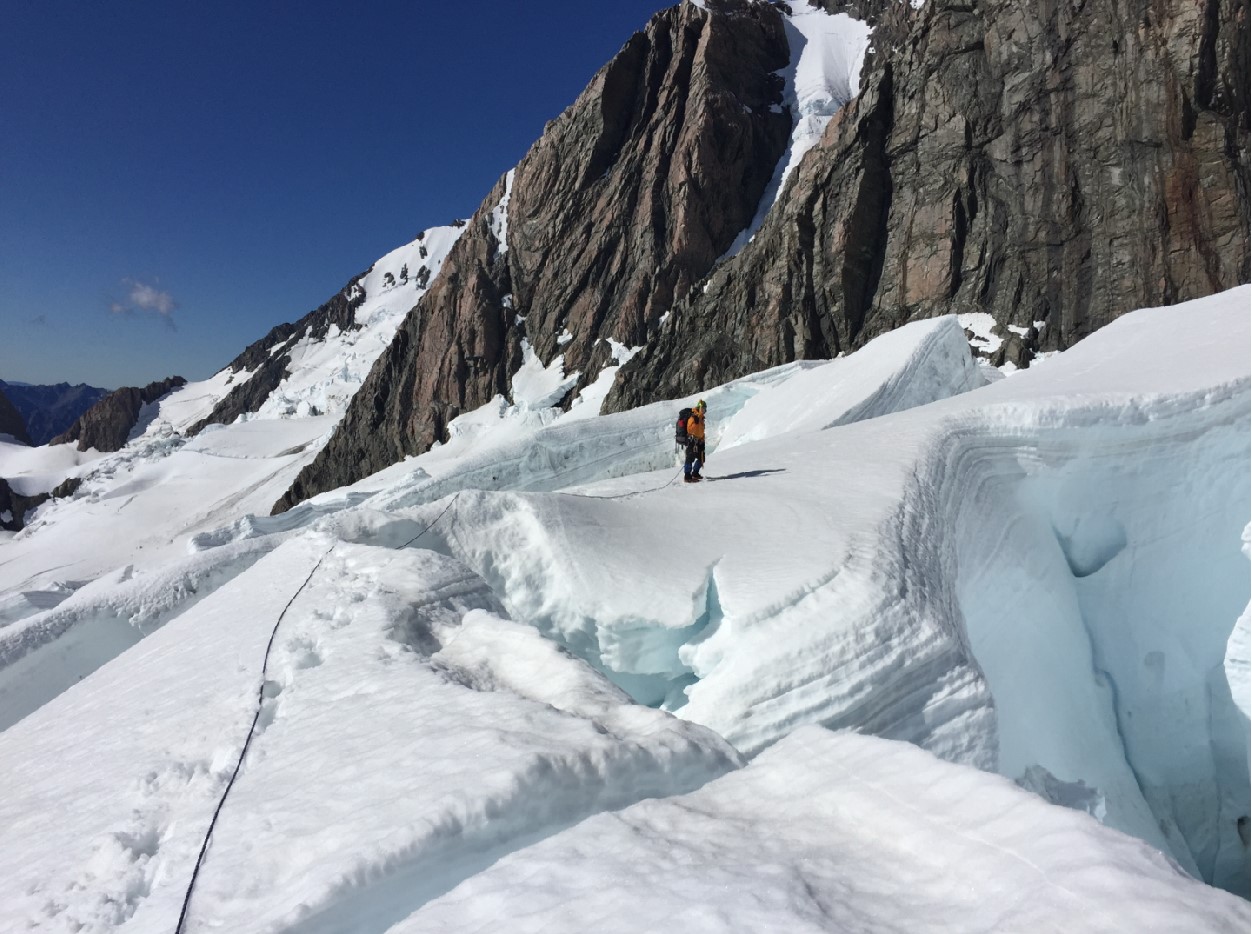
x: 1072, y: 533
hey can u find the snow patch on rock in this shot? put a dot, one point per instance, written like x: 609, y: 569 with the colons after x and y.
x: 827, y: 52
x: 499, y: 220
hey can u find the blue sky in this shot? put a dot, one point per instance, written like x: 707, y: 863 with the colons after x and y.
x: 178, y: 178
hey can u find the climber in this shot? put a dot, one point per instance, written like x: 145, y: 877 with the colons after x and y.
x: 695, y: 444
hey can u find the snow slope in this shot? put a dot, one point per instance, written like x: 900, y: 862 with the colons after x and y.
x: 1037, y: 577
x: 1099, y: 498
x: 408, y: 737
x: 830, y: 832
x: 34, y: 470
x: 227, y: 472
x: 325, y: 374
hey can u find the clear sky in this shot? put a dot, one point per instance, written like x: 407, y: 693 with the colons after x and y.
x: 177, y: 178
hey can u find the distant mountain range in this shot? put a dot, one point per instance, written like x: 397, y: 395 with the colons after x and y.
x: 47, y: 411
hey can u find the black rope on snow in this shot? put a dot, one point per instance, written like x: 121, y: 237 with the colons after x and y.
x: 631, y: 493
x: 436, y: 522
x: 260, y: 700
x: 204, y: 846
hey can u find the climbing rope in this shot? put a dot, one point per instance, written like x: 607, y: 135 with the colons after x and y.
x: 260, y: 700
x: 256, y: 716
x: 632, y: 492
x: 436, y: 522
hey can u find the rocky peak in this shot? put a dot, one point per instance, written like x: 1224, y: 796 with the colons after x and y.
x: 622, y: 206
x: 107, y: 425
x: 1054, y: 164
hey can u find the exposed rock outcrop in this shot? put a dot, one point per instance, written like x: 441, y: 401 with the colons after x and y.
x: 268, y: 359
x: 49, y: 410
x: 621, y: 207
x: 1056, y: 162
x: 14, y: 507
x: 107, y: 425
x: 11, y: 421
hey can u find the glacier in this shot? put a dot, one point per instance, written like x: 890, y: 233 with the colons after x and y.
x: 922, y: 643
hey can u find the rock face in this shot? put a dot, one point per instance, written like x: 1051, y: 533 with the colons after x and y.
x: 270, y: 357
x: 622, y: 206
x: 107, y: 424
x: 11, y: 421
x: 1058, y: 163
x: 1055, y: 164
x: 50, y: 410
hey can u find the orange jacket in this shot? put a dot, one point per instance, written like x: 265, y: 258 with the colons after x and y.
x: 695, y: 426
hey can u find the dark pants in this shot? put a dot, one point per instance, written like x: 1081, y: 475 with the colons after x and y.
x: 695, y: 458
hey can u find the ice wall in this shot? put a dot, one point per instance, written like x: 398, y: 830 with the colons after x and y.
x: 1099, y: 607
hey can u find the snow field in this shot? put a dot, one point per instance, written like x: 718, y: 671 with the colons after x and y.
x: 142, y: 506
x: 837, y: 832
x: 48, y: 652
x: 162, y: 494
x: 191, y: 402
x: 369, y: 681
x: 928, y: 572
x: 34, y: 470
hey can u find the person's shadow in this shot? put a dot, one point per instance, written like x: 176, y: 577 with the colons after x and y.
x: 746, y: 474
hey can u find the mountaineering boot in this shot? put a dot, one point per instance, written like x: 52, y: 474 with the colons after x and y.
x: 688, y: 478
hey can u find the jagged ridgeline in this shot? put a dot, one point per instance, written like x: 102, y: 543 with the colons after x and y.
x: 108, y: 424
x: 268, y: 360
x: 1055, y: 164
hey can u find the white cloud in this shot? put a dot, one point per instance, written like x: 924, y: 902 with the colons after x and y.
x: 145, y: 298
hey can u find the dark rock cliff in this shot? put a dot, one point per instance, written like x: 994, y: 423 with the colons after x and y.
x: 622, y: 206
x: 1061, y: 162
x: 50, y: 410
x: 1056, y: 164
x: 11, y: 421
x: 269, y: 358
x: 107, y: 424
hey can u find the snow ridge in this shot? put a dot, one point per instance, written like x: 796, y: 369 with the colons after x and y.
x: 325, y: 374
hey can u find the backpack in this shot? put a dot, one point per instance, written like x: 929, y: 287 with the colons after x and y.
x: 680, y: 429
